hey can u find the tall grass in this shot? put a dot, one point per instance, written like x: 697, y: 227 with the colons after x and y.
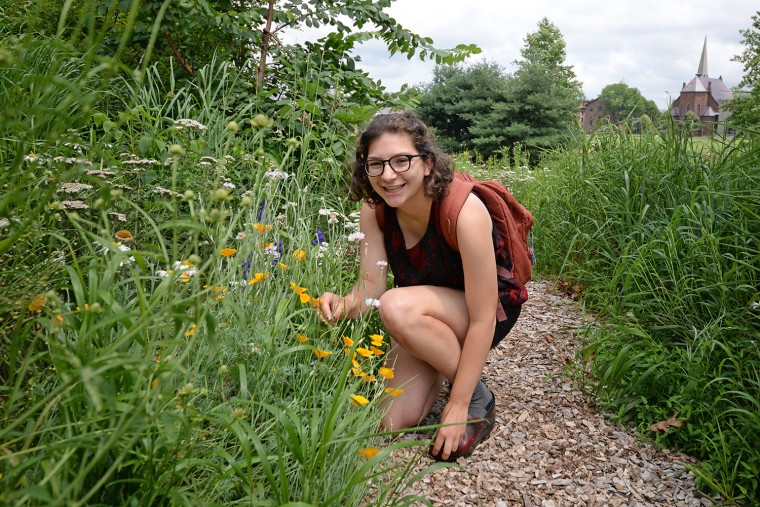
x: 159, y: 344
x: 661, y: 236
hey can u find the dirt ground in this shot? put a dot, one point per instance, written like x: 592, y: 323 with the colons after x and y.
x: 549, y: 447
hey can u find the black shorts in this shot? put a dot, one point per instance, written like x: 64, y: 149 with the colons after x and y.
x: 505, y: 326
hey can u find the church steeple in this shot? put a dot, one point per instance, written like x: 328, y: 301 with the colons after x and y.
x: 702, y: 70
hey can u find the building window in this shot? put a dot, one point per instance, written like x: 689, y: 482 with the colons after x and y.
x: 688, y: 107
x: 699, y: 109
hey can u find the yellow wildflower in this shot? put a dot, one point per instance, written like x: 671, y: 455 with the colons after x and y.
x: 191, y: 330
x: 393, y: 391
x: 299, y: 255
x: 386, y: 372
x: 358, y: 399
x: 348, y: 342
x: 368, y: 452
x: 262, y: 228
x: 257, y: 277
x: 37, y: 303
x: 364, y: 352
x: 302, y: 338
x: 228, y: 252
x: 321, y: 353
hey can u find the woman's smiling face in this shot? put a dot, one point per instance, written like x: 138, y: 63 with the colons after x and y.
x: 397, y: 188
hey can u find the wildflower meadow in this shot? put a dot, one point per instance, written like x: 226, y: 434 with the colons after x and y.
x: 161, y: 261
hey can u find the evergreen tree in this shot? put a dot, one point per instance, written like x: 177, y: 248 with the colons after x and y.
x: 539, y: 105
x: 456, y: 98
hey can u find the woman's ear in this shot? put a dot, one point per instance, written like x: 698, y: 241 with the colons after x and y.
x: 429, y: 162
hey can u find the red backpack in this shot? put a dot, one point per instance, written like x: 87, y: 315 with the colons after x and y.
x: 512, y: 219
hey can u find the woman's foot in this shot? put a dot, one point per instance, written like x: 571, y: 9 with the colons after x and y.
x: 478, y: 429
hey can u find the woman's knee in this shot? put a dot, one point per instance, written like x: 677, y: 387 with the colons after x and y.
x: 395, y: 309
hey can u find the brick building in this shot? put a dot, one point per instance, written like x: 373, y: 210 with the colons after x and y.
x: 703, y: 96
x: 591, y: 114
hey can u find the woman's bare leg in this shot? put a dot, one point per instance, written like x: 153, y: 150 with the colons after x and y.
x: 428, y: 325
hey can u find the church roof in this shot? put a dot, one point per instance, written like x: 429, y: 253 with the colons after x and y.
x: 715, y: 86
x: 709, y: 112
x: 703, y: 83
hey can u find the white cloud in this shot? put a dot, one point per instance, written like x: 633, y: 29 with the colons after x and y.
x: 652, y: 45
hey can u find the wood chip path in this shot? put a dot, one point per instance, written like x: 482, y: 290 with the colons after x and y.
x: 549, y: 447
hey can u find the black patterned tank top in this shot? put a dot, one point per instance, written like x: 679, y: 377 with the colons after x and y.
x: 432, y: 262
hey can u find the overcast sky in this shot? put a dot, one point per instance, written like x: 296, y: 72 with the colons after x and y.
x: 652, y: 45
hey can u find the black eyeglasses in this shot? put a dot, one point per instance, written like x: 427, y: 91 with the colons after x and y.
x: 398, y: 163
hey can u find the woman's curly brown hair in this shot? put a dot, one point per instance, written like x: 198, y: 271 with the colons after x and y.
x: 406, y: 122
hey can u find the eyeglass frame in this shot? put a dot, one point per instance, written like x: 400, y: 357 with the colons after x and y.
x: 365, y: 164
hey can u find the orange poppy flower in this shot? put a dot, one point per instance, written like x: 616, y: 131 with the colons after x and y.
x: 321, y: 353
x: 368, y: 452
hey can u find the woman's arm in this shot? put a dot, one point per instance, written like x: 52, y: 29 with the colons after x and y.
x: 373, y: 274
x: 474, y: 232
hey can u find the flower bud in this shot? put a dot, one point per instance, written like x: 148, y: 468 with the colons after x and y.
x: 261, y: 121
x: 176, y: 149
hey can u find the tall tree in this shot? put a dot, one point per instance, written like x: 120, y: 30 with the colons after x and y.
x: 539, y: 105
x: 456, y: 98
x: 621, y: 102
x: 303, y: 85
x: 745, y: 107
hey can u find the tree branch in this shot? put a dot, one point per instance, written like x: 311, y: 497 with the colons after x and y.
x: 265, y: 47
x: 177, y: 55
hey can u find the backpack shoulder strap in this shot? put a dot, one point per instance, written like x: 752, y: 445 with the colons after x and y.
x: 451, y: 205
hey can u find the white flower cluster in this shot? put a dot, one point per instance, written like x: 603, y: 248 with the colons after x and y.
x: 356, y: 236
x: 167, y: 192
x: 100, y: 173
x: 276, y: 175
x: 121, y: 217
x: 122, y: 248
x: 34, y: 158
x: 70, y: 160
x: 374, y: 303
x: 130, y: 259
x: 73, y: 188
x: 74, y: 205
x: 332, y: 216
x: 184, y: 123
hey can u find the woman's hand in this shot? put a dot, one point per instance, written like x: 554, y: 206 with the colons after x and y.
x: 331, y: 308
x: 447, y: 438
